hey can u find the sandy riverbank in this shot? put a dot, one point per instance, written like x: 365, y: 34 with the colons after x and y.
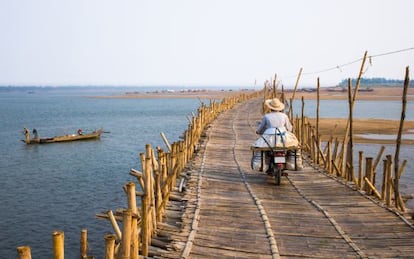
x: 376, y: 131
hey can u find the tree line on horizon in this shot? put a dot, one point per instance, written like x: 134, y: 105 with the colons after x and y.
x: 376, y: 81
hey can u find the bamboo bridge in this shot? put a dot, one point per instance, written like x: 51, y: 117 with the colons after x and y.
x: 201, y: 199
x: 236, y: 212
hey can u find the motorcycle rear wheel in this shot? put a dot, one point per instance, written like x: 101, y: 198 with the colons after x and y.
x: 277, y: 172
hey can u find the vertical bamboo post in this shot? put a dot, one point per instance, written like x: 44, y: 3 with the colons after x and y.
x: 84, y: 244
x: 345, y: 141
x: 24, y: 252
x: 132, y: 204
x: 350, y: 149
x: 368, y: 174
x: 302, y: 128
x: 329, y: 156
x: 58, y: 245
x: 109, y: 246
x: 360, y: 168
x: 317, y: 116
x: 389, y: 180
x: 146, y: 211
x: 398, y: 144
x: 126, y: 234
x: 384, y: 187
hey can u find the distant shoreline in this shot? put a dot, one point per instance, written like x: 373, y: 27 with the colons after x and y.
x: 378, y: 93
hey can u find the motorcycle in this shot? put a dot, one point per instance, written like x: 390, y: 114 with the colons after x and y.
x: 277, y: 163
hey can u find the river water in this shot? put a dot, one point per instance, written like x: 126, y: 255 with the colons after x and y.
x: 63, y: 186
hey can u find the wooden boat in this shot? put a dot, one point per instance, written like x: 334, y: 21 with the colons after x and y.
x: 65, y: 138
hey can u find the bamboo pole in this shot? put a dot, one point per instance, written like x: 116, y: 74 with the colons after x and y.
x: 24, y: 252
x: 317, y: 116
x: 84, y: 244
x: 297, y: 83
x: 126, y: 234
x: 109, y: 246
x: 146, y: 212
x: 384, y: 186
x: 164, y: 138
x: 360, y: 169
x: 368, y: 174
x: 345, y: 141
x: 350, y: 149
x: 398, y: 144
x: 302, y: 132
x: 114, y: 224
x: 377, y: 160
x: 372, y: 188
x: 132, y: 204
x: 389, y: 180
x: 58, y: 245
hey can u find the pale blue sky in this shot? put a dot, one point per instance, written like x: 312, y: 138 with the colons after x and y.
x: 206, y: 42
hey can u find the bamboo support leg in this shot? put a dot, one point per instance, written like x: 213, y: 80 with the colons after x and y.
x: 109, y: 246
x: 24, y: 252
x: 58, y: 245
x: 126, y: 235
x: 84, y: 244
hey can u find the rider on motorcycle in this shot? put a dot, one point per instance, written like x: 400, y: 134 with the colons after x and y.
x: 276, y: 118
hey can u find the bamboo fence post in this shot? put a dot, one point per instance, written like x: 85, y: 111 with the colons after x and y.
x: 297, y: 83
x: 302, y: 130
x: 146, y: 215
x: 317, y: 116
x: 24, y: 252
x: 329, y: 156
x: 402, y: 167
x: 389, y: 180
x: 377, y: 160
x: 350, y: 149
x: 58, y: 245
x: 384, y: 187
x: 150, y: 154
x: 360, y: 168
x: 368, y: 174
x: 274, y: 93
x: 345, y: 141
x: 398, y: 144
x: 109, y: 246
x: 158, y: 182
x: 84, y: 244
x: 132, y: 204
x: 126, y: 234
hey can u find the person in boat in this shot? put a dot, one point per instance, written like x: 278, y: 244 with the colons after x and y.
x: 35, y: 134
x: 80, y: 132
x: 276, y: 118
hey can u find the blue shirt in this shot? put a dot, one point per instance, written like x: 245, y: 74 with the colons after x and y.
x: 274, y: 120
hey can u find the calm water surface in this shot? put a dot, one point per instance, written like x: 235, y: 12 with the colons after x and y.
x: 63, y: 186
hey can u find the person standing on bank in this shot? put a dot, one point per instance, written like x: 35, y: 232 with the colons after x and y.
x: 276, y: 118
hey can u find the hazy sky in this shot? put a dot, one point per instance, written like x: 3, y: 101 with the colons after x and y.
x: 201, y: 42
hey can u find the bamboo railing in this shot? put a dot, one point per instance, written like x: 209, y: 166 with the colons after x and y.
x: 336, y: 157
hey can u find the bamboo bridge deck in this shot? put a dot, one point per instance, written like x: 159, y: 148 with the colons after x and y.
x: 232, y: 211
